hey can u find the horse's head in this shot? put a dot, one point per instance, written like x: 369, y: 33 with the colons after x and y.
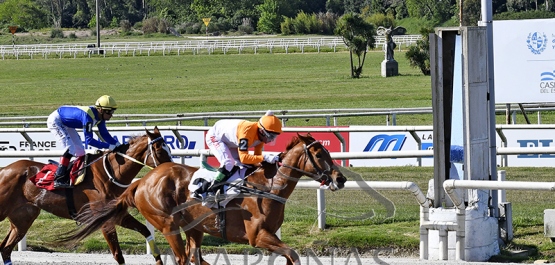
x: 151, y: 148
x: 314, y: 161
x: 158, y: 151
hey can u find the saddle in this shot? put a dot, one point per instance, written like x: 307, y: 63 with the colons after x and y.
x: 203, y: 177
x: 44, y: 179
x: 234, y: 186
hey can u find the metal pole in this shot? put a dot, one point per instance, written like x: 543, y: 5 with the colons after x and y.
x: 97, y: 26
x: 487, y: 17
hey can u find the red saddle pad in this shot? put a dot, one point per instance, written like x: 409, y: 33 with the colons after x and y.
x: 45, y: 178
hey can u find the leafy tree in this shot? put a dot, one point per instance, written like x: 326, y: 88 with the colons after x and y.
x: 353, y: 6
x: 23, y: 13
x: 471, y: 12
x: 358, y: 35
x: 269, y: 18
x: 419, y: 55
x: 335, y: 6
x: 382, y: 20
x: 439, y: 11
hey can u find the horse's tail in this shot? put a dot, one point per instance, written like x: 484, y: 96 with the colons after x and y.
x: 91, y: 219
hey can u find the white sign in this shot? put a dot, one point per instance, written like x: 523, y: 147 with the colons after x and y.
x: 389, y: 141
x: 525, y: 139
x: 44, y: 141
x: 524, y: 60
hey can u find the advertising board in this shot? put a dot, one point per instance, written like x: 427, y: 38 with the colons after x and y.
x: 391, y: 141
x: 526, y: 139
x: 44, y: 141
x: 328, y: 140
x: 524, y: 56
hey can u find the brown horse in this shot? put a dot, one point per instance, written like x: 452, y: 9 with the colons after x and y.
x: 163, y: 199
x: 22, y: 201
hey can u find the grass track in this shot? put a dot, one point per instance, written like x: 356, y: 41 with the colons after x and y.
x: 203, y: 83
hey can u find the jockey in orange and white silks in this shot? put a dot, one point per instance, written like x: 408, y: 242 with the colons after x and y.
x: 63, y: 123
x: 230, y: 140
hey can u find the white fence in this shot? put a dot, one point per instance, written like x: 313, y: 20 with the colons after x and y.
x: 502, y: 150
x: 409, y: 186
x: 223, y: 45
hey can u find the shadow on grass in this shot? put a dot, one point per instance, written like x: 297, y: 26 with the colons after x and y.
x: 516, y: 253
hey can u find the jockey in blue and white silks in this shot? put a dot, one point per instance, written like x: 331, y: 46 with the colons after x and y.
x: 63, y: 123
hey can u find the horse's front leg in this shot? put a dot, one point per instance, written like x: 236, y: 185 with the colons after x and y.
x: 271, y: 242
x: 193, y: 244
x: 131, y: 223
x: 109, y: 232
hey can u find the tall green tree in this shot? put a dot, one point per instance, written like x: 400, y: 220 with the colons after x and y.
x: 270, y: 20
x: 358, y: 35
x: 440, y: 11
x: 23, y: 13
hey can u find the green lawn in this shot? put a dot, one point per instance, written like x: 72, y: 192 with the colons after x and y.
x: 247, y: 82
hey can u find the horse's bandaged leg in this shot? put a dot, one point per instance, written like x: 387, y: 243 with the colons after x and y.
x: 153, y: 247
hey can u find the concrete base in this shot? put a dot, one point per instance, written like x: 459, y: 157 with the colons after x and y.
x: 549, y: 223
x: 481, y: 234
x: 390, y: 68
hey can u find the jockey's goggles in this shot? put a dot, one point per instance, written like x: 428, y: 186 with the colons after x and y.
x: 108, y: 111
x: 270, y: 136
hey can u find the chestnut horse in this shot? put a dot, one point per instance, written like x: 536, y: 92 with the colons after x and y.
x: 21, y: 201
x: 163, y: 199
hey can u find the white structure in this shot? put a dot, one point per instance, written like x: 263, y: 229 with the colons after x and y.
x: 470, y: 232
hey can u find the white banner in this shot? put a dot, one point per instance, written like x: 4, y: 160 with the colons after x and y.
x: 524, y: 60
x: 44, y: 141
x: 390, y: 141
x: 525, y: 139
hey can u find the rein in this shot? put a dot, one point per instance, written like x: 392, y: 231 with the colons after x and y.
x: 150, y: 153
x: 322, y: 176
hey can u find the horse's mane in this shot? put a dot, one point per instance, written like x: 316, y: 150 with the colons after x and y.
x: 134, y: 138
x: 296, y: 140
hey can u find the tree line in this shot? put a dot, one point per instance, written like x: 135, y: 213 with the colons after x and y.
x: 266, y: 16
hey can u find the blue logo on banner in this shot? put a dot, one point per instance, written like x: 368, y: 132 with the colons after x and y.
x: 386, y: 141
x: 547, y: 76
x: 536, y: 143
x: 172, y: 142
x: 537, y: 42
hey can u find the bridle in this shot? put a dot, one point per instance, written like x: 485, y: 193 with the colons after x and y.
x: 322, y: 175
x: 150, y: 153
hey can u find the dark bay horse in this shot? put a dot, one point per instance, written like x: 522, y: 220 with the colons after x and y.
x: 163, y: 199
x: 21, y: 201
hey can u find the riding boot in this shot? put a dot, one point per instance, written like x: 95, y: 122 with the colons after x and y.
x: 61, y: 179
x: 223, y: 175
x: 215, y: 185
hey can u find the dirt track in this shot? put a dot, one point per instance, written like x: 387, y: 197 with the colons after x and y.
x: 28, y: 257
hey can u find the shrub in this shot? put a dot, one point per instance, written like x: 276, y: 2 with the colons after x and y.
x: 287, y: 26
x: 125, y: 25
x: 57, y: 33
x: 419, y: 54
x: 138, y: 25
x: 321, y: 23
x: 379, y: 19
x: 114, y: 23
x: 524, y: 15
x: 154, y: 25
x: 246, y: 29
x: 327, y: 22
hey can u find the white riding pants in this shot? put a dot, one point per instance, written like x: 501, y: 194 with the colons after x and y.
x: 227, y: 157
x: 67, y: 137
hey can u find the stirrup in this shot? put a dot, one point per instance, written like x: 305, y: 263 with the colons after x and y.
x: 197, y: 196
x: 62, y: 185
